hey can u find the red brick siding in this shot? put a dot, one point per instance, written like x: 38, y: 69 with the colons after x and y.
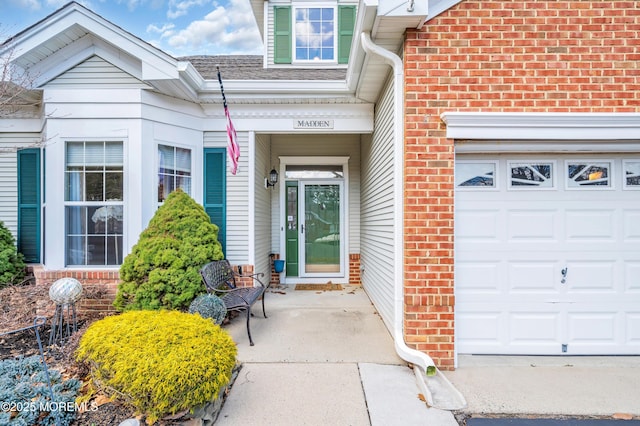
x: 354, y: 269
x: 99, y: 288
x: 499, y: 56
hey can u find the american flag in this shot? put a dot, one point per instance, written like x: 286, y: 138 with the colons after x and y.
x: 232, y: 144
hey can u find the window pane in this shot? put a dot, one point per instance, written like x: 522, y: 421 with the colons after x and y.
x: 75, y: 251
x: 184, y: 183
x: 531, y: 175
x: 76, y: 220
x: 75, y: 153
x: 183, y: 159
x: 95, y: 186
x: 327, y: 14
x: 586, y: 174
x: 166, y: 159
x: 114, y: 186
x: 475, y: 174
x: 94, y: 153
x: 74, y: 188
x: 315, y: 14
x: 114, y: 250
x: 632, y: 173
x: 113, y: 153
x: 96, y: 250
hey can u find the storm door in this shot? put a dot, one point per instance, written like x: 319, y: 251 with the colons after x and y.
x: 320, y: 239
x: 315, y: 221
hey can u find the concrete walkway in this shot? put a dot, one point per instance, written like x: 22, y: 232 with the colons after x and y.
x: 322, y: 358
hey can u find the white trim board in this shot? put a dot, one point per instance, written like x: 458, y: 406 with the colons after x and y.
x: 542, y: 126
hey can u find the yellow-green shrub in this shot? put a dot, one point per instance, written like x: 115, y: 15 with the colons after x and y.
x: 161, y: 362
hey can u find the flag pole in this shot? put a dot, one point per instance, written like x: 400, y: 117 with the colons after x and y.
x: 232, y: 145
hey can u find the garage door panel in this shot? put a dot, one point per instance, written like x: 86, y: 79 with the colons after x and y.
x: 632, y: 335
x: 631, y: 220
x: 479, y: 277
x: 479, y: 329
x: 591, y: 277
x: 532, y: 225
x: 590, y: 225
x: 532, y: 277
x: 478, y: 225
x: 632, y: 276
x: 535, y: 329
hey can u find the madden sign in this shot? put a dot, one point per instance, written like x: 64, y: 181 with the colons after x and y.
x: 313, y: 124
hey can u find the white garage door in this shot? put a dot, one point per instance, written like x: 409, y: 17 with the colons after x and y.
x: 548, y: 254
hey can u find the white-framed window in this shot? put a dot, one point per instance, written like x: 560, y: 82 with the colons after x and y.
x: 531, y: 174
x: 589, y: 174
x: 476, y: 174
x: 174, y: 170
x: 631, y: 174
x: 94, y: 190
x: 314, y: 33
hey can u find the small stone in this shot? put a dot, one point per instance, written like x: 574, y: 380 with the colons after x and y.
x: 130, y: 422
x: 622, y: 416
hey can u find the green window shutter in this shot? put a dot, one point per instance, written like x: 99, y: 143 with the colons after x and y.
x: 29, y: 204
x: 215, y: 184
x: 346, y: 23
x: 282, y: 34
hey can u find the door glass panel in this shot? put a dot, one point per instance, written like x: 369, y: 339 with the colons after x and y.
x: 322, y: 228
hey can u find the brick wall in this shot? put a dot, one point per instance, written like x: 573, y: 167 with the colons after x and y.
x: 499, y: 56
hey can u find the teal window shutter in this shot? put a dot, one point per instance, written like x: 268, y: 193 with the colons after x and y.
x: 29, y: 204
x: 346, y: 23
x: 282, y: 34
x: 215, y: 187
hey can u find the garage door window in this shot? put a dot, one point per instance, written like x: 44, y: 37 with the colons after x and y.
x: 476, y: 174
x: 588, y: 174
x: 631, y: 174
x: 531, y: 175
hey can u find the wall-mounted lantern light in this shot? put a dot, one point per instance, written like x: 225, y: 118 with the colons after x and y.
x: 272, y: 179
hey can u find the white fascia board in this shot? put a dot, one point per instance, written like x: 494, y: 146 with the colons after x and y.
x: 541, y: 126
x: 365, y: 20
x: 68, y: 57
x: 155, y: 63
x: 21, y: 125
x: 436, y: 7
x: 256, y: 87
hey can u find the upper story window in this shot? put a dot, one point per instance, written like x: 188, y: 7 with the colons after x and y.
x: 313, y: 34
x: 174, y: 170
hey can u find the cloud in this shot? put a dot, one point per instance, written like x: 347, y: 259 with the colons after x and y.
x: 179, y: 8
x: 28, y: 4
x: 229, y: 29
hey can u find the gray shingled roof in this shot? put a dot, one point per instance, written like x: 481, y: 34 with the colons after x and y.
x: 250, y: 67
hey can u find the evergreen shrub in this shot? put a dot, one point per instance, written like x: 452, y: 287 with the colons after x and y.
x: 160, y: 362
x: 11, y: 262
x: 162, y: 270
x: 24, y: 387
x: 209, y: 306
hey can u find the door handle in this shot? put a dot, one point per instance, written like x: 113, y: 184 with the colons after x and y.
x: 564, y: 275
x: 302, y: 228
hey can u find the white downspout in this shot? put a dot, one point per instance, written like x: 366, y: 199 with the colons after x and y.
x: 408, y: 354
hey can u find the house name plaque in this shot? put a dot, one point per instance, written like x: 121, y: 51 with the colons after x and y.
x: 313, y: 124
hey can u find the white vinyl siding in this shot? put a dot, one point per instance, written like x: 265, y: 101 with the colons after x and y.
x: 262, y: 207
x: 95, y: 71
x: 237, y: 198
x: 377, y: 220
x: 327, y: 146
x: 9, y: 143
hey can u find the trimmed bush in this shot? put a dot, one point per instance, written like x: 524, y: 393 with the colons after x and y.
x: 209, y: 306
x: 11, y: 262
x: 160, y: 362
x: 24, y: 386
x: 162, y: 270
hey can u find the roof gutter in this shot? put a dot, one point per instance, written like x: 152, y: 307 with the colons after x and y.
x: 408, y: 354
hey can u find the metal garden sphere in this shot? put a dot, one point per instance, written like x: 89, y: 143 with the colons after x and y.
x: 65, y: 291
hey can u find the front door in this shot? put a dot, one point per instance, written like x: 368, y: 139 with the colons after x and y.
x: 314, y: 219
x: 320, y: 242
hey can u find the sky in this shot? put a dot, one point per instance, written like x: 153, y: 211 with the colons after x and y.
x: 178, y: 27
